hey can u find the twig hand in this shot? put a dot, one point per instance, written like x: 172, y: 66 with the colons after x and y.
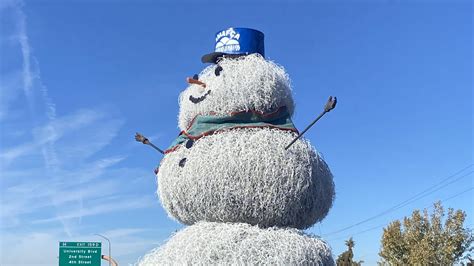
x: 331, y: 104
x: 140, y: 138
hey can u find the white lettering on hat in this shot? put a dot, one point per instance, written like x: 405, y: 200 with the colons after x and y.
x: 229, y: 33
x: 227, y: 41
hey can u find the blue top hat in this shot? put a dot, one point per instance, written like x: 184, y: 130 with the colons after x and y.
x: 236, y: 41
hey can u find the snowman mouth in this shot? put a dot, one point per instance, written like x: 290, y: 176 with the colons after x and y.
x: 199, y: 99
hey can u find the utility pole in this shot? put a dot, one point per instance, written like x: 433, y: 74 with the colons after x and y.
x: 110, y: 249
x: 110, y: 260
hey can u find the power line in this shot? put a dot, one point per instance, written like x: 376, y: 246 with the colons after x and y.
x: 458, y: 194
x: 416, y: 197
x: 382, y: 225
x: 404, y: 203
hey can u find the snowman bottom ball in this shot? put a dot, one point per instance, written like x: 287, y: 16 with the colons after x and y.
x: 246, y: 175
x: 239, y: 244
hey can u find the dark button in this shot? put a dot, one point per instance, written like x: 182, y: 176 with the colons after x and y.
x: 182, y: 162
x: 189, y: 143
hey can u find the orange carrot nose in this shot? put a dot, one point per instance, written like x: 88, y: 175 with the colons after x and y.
x: 195, y: 81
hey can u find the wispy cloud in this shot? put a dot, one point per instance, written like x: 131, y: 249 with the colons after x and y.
x: 67, y: 171
x: 41, y: 248
x: 56, y: 169
x: 10, y: 89
x: 122, y: 204
x: 30, y: 197
x: 87, y: 121
x: 124, y: 232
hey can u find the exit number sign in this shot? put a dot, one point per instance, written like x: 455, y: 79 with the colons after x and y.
x: 79, y: 253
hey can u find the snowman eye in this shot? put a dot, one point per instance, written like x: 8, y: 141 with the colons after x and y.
x: 218, y: 70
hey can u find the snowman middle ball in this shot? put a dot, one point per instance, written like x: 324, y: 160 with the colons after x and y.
x: 244, y: 174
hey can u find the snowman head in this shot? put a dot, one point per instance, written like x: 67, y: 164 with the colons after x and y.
x: 236, y: 84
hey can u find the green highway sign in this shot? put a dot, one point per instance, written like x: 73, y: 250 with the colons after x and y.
x: 79, y: 253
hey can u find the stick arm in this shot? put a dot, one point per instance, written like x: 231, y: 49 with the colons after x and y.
x: 330, y: 104
x: 140, y: 138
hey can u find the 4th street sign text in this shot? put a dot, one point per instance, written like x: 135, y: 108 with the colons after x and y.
x: 79, y: 253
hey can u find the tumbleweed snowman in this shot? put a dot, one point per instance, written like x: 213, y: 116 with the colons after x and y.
x: 228, y: 175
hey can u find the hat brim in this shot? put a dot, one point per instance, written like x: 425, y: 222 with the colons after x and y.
x: 216, y: 56
x: 212, y: 57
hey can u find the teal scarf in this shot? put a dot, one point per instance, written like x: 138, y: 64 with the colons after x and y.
x: 204, y: 125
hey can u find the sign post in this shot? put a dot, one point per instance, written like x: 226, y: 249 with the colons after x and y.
x: 80, y: 253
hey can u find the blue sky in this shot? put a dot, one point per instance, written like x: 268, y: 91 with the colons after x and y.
x: 79, y: 78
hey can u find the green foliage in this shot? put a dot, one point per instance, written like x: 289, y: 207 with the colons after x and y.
x: 424, y: 239
x: 345, y: 259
